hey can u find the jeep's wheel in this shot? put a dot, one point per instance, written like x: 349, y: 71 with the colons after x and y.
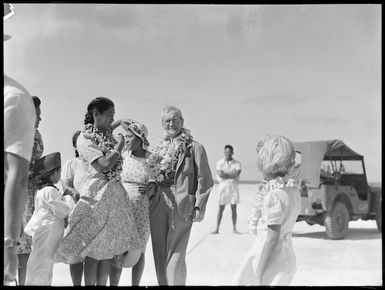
x: 337, y: 221
x: 379, y: 217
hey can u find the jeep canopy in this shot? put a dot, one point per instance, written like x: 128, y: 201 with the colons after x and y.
x: 312, y: 155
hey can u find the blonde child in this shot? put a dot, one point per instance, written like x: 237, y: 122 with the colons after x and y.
x: 46, y: 225
x: 271, y: 259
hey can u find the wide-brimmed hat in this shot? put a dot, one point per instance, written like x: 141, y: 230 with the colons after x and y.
x: 138, y: 129
x: 47, y: 163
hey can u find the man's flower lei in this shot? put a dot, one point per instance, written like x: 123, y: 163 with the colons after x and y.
x: 164, y: 158
x: 106, y: 143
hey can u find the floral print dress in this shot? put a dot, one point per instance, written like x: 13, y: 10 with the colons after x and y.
x: 136, y: 173
x: 101, y: 224
x: 26, y: 240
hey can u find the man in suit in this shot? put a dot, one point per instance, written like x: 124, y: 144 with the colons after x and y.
x: 178, y: 202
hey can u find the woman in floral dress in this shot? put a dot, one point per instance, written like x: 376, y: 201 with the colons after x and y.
x: 135, y: 178
x: 101, y: 225
x: 25, y: 247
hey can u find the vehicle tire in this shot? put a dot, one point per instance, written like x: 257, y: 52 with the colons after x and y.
x: 337, y: 221
x: 379, y: 217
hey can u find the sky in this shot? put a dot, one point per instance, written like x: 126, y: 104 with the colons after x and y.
x: 238, y: 73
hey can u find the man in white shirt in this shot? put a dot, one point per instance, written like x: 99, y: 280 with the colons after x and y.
x: 19, y: 131
x: 228, y: 171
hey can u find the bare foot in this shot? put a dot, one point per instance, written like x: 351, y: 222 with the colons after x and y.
x: 215, y: 232
x: 236, y: 231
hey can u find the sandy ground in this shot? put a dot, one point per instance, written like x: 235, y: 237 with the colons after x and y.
x: 213, y: 259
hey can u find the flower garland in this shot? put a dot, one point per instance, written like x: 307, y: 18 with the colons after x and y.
x: 106, y: 143
x: 164, y: 157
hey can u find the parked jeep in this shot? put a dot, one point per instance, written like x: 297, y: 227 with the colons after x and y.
x: 334, y: 187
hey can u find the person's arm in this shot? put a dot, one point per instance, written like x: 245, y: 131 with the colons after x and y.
x: 15, y: 199
x: 275, y: 205
x: 237, y: 171
x: 233, y: 174
x: 116, y: 124
x: 93, y: 155
x: 67, y: 180
x: 271, y: 242
x: 256, y: 211
x: 107, y: 162
x: 204, y: 179
x: 57, y: 204
x: 222, y: 174
x: 69, y: 188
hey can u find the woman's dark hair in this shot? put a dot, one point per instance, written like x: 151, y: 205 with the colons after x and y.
x: 74, y: 139
x: 101, y: 104
x: 36, y: 101
x: 229, y: 147
x: 43, y: 180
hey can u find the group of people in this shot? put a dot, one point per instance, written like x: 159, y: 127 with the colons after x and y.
x: 116, y: 194
x: 110, y: 202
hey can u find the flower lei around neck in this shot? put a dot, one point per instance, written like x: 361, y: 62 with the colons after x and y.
x: 106, y: 143
x: 164, y: 157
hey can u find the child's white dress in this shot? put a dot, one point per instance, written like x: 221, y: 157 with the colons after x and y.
x: 277, y: 203
x: 46, y: 227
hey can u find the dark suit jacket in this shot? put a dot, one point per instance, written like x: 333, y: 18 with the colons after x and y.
x: 193, y: 180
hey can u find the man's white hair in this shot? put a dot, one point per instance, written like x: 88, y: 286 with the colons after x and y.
x: 169, y: 109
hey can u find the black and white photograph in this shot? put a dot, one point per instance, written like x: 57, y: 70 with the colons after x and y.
x: 192, y: 144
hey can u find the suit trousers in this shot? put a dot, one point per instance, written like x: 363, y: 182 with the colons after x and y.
x: 169, y: 235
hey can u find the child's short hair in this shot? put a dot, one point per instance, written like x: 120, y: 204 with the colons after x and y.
x: 276, y: 155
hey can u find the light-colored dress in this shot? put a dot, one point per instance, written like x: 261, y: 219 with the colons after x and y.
x: 26, y: 240
x: 101, y: 225
x: 228, y: 187
x: 136, y: 173
x: 278, y: 202
x: 46, y: 227
x: 75, y: 170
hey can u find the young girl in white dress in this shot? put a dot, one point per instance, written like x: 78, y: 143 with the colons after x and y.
x: 271, y: 259
x: 46, y: 225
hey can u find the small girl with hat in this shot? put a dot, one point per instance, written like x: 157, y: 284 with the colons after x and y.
x: 135, y: 179
x: 271, y: 259
x: 46, y: 225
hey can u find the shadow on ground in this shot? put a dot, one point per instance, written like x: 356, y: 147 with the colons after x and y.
x: 353, y: 234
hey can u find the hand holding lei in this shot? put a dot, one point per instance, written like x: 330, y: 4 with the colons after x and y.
x: 106, y: 143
